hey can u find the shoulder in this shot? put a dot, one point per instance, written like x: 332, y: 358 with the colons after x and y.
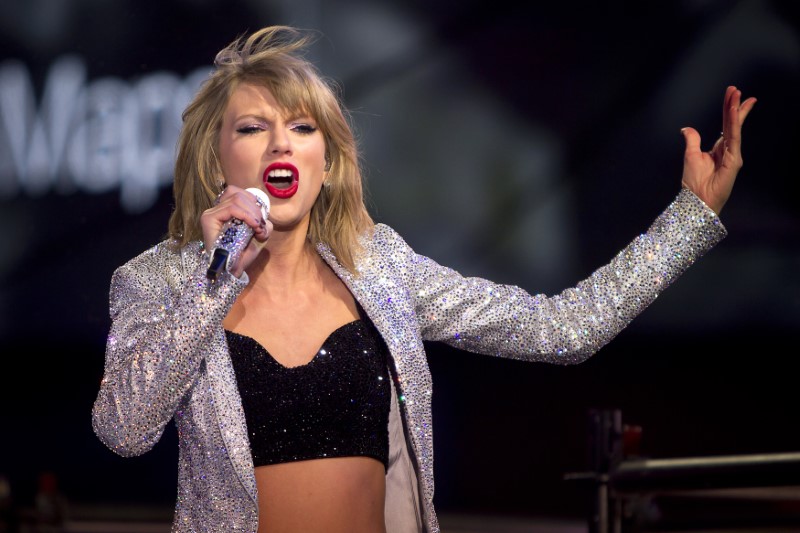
x: 384, y: 244
x: 384, y: 247
x: 382, y: 236
x: 165, y: 251
x: 167, y: 258
x: 378, y: 245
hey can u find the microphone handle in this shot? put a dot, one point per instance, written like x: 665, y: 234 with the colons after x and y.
x: 228, y: 247
x: 234, y: 237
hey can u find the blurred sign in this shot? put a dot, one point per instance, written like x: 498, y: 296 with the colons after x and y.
x: 90, y: 136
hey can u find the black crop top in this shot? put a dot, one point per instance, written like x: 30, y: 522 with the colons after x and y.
x: 334, y: 406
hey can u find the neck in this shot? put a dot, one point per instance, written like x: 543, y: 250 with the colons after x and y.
x: 287, y: 260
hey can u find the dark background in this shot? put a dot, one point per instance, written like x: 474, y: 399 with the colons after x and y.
x: 525, y: 143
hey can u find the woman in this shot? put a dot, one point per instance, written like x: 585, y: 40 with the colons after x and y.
x: 297, y: 378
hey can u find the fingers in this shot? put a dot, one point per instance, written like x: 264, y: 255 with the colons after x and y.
x: 745, y: 108
x: 732, y: 129
x: 728, y: 104
x: 692, y: 139
x: 235, y: 202
x: 262, y: 233
x: 734, y: 114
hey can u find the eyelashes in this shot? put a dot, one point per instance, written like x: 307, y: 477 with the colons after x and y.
x: 247, y: 130
x: 302, y: 129
x: 305, y: 129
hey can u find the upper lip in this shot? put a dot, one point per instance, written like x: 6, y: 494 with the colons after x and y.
x: 282, y: 164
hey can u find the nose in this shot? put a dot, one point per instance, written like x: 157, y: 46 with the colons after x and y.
x: 279, y: 142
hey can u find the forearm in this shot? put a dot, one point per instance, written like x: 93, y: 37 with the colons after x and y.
x: 476, y: 315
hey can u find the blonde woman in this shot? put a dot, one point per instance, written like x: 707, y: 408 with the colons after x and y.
x: 297, y: 377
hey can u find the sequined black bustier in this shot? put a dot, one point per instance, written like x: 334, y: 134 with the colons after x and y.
x: 336, y: 405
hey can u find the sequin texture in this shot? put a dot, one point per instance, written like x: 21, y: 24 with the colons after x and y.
x: 334, y: 406
x: 167, y: 356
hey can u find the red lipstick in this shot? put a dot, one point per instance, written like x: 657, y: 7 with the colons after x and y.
x: 280, y: 179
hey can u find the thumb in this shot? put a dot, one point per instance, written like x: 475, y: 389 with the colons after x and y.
x: 692, y: 139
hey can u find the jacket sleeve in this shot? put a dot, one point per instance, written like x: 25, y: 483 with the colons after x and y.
x: 476, y: 315
x: 162, y: 318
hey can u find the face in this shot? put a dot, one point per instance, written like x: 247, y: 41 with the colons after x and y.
x: 259, y: 146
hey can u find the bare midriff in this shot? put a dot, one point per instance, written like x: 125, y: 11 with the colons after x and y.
x: 331, y: 495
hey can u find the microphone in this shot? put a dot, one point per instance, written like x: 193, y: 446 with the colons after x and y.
x: 233, y: 238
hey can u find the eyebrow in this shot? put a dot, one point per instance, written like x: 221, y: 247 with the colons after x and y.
x: 261, y: 117
x: 251, y: 116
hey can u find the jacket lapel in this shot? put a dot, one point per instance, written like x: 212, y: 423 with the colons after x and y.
x: 225, y: 398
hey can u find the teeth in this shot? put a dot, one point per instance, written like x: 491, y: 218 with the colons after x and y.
x: 280, y: 173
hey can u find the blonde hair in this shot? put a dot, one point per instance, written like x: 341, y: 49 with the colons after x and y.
x: 272, y: 57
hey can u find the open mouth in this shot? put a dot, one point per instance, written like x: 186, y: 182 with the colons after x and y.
x: 280, y: 180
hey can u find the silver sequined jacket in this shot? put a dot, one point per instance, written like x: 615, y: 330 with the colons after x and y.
x: 167, y: 357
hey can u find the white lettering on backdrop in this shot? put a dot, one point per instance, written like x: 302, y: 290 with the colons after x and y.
x: 90, y: 137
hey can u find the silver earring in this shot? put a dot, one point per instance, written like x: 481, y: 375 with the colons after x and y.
x: 221, y: 186
x: 327, y: 162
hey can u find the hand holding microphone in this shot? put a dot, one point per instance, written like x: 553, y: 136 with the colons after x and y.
x: 234, y: 238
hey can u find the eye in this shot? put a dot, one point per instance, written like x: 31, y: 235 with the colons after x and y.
x: 304, y: 129
x: 249, y: 130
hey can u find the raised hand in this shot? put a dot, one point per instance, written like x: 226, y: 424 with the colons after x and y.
x: 711, y: 175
